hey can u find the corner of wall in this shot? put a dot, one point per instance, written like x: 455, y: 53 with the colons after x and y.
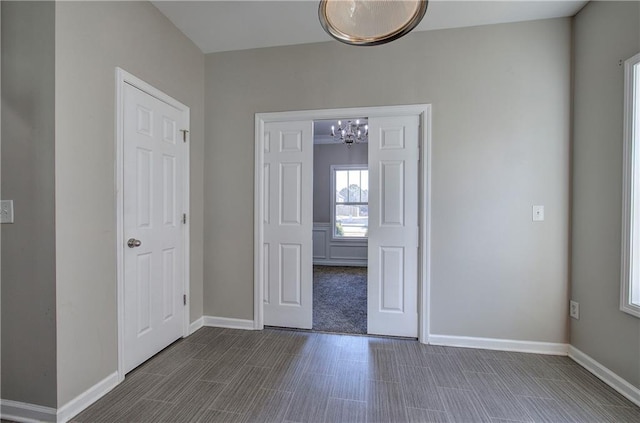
x: 603, y: 33
x: 28, y: 250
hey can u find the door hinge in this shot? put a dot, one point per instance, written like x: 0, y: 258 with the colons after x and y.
x: 184, y: 134
x: 184, y: 218
x: 184, y: 299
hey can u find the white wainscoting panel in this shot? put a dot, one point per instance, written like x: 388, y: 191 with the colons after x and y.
x: 344, y: 252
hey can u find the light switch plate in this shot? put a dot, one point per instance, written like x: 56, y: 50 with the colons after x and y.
x: 6, y: 211
x: 538, y: 213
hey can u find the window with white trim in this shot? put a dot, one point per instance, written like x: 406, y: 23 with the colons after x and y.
x: 630, y: 292
x: 350, y: 201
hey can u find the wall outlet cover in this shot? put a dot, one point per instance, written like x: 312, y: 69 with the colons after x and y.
x: 6, y: 211
x: 537, y: 213
x: 574, y: 309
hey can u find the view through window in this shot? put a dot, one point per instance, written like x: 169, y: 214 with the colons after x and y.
x: 351, y: 201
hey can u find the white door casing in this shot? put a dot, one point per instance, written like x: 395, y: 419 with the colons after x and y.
x: 422, y: 114
x: 287, y: 213
x: 154, y: 164
x: 392, y: 278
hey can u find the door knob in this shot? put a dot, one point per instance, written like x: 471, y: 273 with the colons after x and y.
x: 132, y: 243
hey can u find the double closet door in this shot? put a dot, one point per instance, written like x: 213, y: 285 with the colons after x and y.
x: 393, y: 225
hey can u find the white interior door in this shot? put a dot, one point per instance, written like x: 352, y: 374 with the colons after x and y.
x: 288, y: 215
x: 154, y: 160
x: 393, y: 226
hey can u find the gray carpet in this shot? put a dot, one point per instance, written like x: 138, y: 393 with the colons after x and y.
x: 340, y: 299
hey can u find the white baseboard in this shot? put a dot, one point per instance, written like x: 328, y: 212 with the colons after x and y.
x: 195, y: 325
x: 549, y: 348
x: 607, y: 376
x: 88, y: 397
x: 26, y: 413
x: 227, y: 322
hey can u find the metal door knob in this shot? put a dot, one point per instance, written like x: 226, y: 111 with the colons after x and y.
x: 132, y: 243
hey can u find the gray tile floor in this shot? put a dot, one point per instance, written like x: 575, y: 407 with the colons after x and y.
x: 224, y: 375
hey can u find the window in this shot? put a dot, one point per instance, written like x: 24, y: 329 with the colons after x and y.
x: 350, y: 201
x: 630, y: 292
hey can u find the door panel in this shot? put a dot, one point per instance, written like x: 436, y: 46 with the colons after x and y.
x: 169, y: 192
x: 143, y: 293
x: 153, y: 192
x: 143, y: 191
x: 290, y: 274
x: 392, y: 279
x: 168, y: 282
x: 266, y: 273
x: 391, y: 193
x: 393, y: 226
x: 288, y: 178
x: 290, y: 193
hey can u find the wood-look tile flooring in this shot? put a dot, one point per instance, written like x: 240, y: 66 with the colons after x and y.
x: 223, y: 375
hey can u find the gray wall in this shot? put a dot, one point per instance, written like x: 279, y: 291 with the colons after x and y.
x: 28, y: 245
x: 605, y: 32
x: 91, y: 40
x: 325, y: 155
x: 501, y: 104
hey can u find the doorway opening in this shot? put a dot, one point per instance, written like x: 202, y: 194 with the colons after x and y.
x: 340, y: 226
x: 398, y: 234
x: 340, y: 299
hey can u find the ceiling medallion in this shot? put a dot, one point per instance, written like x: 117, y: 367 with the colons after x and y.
x: 370, y: 22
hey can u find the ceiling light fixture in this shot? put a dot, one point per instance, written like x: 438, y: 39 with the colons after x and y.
x: 351, y: 133
x: 370, y: 22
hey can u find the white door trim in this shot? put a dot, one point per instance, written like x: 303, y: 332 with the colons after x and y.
x: 421, y: 110
x: 123, y: 77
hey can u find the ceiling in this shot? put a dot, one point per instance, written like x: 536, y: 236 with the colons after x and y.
x: 216, y: 26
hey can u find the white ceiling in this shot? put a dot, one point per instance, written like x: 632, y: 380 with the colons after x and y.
x: 216, y: 25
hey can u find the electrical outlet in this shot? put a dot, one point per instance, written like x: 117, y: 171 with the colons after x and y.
x: 6, y: 211
x: 574, y: 309
x: 537, y: 213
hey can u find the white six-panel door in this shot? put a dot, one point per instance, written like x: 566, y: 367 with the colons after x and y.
x: 154, y: 157
x: 393, y: 226
x: 288, y: 215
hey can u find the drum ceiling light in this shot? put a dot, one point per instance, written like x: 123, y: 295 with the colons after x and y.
x: 370, y: 22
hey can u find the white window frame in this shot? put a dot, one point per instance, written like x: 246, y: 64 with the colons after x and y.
x: 334, y: 168
x: 630, y: 272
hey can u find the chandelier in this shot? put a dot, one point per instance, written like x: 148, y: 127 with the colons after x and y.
x: 351, y: 133
x: 370, y: 22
